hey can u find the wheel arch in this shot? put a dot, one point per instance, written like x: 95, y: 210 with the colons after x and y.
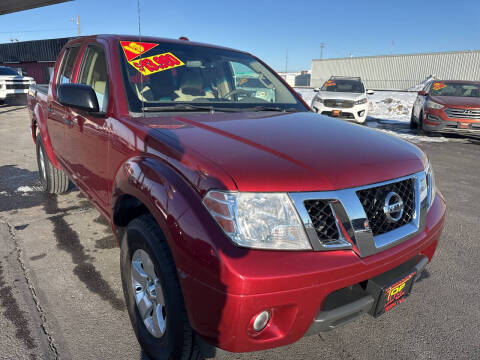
x: 150, y: 185
x: 39, y: 121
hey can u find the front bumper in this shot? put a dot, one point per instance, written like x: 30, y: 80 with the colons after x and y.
x: 294, y: 287
x: 11, y: 93
x: 435, y: 120
x: 357, y: 113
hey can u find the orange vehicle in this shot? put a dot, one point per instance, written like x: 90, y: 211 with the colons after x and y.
x: 447, y: 106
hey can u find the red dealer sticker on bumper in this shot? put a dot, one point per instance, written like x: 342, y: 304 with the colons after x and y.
x: 156, y: 63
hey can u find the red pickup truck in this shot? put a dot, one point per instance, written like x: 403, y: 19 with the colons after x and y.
x: 244, y: 223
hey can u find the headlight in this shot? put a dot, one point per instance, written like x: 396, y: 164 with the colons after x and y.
x: 258, y: 220
x: 427, y: 189
x: 361, y: 101
x: 433, y: 105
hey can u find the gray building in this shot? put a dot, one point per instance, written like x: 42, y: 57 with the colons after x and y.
x: 400, y: 71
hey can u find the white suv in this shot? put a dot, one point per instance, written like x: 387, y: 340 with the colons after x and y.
x: 342, y: 97
x: 13, y: 86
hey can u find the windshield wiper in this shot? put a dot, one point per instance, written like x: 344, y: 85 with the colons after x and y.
x: 271, y: 108
x: 185, y: 107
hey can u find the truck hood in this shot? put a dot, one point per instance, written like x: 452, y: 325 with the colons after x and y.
x: 456, y: 101
x: 289, y: 151
x: 341, y: 95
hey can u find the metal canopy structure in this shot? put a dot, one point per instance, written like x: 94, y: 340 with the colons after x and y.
x: 10, y: 6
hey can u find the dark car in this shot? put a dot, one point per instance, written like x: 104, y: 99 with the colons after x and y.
x: 447, y: 106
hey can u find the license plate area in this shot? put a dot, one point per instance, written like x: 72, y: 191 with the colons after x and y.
x: 394, y: 294
x: 462, y: 125
x: 337, y: 113
x: 391, y: 288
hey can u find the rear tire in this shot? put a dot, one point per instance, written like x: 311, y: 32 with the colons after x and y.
x: 52, y: 180
x: 144, y: 243
x: 413, y: 122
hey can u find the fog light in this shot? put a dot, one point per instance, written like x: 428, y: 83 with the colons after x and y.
x: 361, y: 113
x: 261, y: 320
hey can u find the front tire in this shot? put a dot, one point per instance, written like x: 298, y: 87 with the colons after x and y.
x: 52, y: 180
x: 152, y: 293
x: 419, y: 130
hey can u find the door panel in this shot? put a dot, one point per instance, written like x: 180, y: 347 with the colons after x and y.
x: 56, y: 112
x: 86, y: 134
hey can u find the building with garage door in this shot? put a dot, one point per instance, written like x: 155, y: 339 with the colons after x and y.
x: 32, y: 58
x: 400, y: 72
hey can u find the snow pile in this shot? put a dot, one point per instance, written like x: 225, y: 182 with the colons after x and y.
x: 391, y: 105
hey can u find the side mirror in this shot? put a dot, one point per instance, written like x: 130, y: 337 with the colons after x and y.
x: 78, y: 96
x: 370, y: 92
x: 316, y: 89
x: 422, y: 93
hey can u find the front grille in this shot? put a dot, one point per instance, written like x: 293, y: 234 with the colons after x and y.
x: 343, y: 115
x: 341, y: 104
x: 373, y: 201
x: 463, y: 113
x: 323, y: 220
x: 17, y: 86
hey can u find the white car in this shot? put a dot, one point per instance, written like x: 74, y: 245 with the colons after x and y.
x: 342, y: 97
x: 12, y: 84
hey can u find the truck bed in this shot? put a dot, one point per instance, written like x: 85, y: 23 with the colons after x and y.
x: 39, y: 88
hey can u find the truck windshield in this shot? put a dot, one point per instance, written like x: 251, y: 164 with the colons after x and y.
x: 343, y: 85
x: 8, y: 71
x: 455, y: 89
x: 171, y: 75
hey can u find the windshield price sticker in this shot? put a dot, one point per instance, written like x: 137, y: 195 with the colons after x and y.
x: 438, y: 86
x: 156, y: 63
x: 133, y: 49
x: 330, y: 83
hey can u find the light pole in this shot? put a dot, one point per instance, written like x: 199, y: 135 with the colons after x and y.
x: 78, y: 24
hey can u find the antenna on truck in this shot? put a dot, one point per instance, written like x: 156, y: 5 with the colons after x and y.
x: 141, y: 75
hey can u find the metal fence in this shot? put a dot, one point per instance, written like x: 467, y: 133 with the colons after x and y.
x: 399, y: 72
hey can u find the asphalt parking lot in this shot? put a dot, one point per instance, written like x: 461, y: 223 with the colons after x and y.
x: 61, y: 296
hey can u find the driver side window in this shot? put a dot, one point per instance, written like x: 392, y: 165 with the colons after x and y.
x: 251, y: 83
x: 94, y: 74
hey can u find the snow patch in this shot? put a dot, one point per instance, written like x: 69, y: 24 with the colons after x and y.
x: 27, y: 189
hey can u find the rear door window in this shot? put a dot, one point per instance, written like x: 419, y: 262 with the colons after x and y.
x: 65, y: 75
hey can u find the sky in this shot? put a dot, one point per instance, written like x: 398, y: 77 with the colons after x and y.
x: 269, y: 29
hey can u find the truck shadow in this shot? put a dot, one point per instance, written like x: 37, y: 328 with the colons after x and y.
x: 68, y: 240
x: 20, y: 190
x: 11, y: 109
